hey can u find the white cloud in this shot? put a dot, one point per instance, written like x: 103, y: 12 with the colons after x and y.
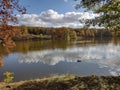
x: 65, y: 0
x: 51, y: 18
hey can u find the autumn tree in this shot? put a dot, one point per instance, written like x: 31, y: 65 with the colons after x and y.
x: 108, y: 11
x: 8, y: 19
x: 63, y: 34
x: 23, y: 30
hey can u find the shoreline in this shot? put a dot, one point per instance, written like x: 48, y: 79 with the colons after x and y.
x: 66, y: 82
x: 37, y: 37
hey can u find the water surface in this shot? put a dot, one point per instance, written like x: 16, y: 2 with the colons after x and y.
x: 37, y: 59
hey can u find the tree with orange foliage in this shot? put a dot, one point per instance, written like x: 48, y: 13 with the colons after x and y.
x: 1, y: 62
x: 7, y: 19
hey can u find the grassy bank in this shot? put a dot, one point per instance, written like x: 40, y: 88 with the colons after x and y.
x: 67, y: 82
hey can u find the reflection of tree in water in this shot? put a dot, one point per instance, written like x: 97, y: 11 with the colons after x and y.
x: 3, y: 52
x: 1, y: 62
x: 27, y: 46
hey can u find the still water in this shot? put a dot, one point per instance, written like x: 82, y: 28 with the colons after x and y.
x: 37, y: 59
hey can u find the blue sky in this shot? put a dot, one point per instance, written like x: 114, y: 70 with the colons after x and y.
x: 37, y: 6
x: 52, y: 13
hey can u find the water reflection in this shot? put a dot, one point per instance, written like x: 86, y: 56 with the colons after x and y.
x: 27, y: 46
x: 34, y: 59
x: 104, y: 55
x: 1, y: 62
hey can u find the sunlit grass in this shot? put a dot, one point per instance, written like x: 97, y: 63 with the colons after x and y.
x: 68, y: 82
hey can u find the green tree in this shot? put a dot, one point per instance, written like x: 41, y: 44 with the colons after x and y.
x: 108, y: 10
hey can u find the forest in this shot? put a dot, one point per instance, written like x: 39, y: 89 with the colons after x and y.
x: 62, y: 33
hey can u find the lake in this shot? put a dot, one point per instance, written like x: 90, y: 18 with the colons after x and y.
x: 37, y: 59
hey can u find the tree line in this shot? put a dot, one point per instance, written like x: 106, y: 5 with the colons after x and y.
x: 64, y: 33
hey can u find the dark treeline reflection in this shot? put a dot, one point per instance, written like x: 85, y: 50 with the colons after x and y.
x: 37, y: 45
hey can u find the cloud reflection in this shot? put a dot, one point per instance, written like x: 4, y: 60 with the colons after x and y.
x: 104, y: 55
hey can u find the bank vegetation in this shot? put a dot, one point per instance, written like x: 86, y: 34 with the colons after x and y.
x: 63, y: 33
x: 66, y: 82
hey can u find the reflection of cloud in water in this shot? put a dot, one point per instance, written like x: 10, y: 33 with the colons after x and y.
x: 104, y: 55
x: 50, y: 57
